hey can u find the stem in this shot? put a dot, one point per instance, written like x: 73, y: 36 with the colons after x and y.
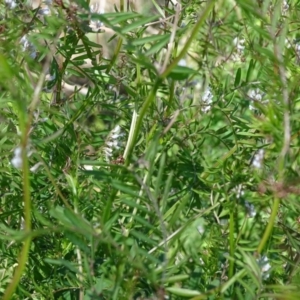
x: 270, y: 226
x: 131, y: 133
x: 231, y: 243
x: 140, y: 118
x: 286, y: 136
x: 115, y: 56
x: 23, y: 256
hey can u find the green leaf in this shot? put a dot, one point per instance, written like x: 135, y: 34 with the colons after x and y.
x: 149, y: 39
x: 186, y: 293
x: 181, y: 73
x: 62, y: 262
x: 6, y: 71
x: 249, y: 76
x: 238, y: 77
x: 137, y: 24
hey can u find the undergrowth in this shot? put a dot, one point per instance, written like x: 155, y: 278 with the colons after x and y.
x: 158, y: 163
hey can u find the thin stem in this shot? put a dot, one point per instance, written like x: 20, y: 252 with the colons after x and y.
x: 115, y: 56
x: 286, y: 135
x: 140, y: 119
x: 23, y: 256
x: 270, y: 226
x: 131, y: 133
x: 231, y: 243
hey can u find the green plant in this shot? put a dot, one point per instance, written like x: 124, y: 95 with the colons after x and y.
x: 167, y: 168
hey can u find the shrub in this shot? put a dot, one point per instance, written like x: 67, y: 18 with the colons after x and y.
x: 157, y: 160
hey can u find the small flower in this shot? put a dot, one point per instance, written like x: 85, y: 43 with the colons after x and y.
x: 285, y: 7
x: 116, y: 133
x: 255, y: 94
x: 258, y: 159
x: 24, y: 42
x: 27, y: 46
x: 240, y: 47
x: 113, y: 142
x: 239, y: 191
x: 239, y: 43
x: 17, y: 160
x: 265, y: 266
x: 207, y: 100
x: 250, y: 209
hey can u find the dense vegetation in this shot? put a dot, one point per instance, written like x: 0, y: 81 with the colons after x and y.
x: 150, y: 154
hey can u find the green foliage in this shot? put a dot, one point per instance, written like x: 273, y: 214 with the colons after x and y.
x: 145, y: 157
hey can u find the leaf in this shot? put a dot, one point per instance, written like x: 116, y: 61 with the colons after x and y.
x: 157, y: 46
x: 62, y: 262
x: 250, y: 71
x: 181, y: 73
x: 142, y: 237
x: 238, y: 77
x: 110, y: 19
x: 71, y: 220
x: 186, y: 293
x: 149, y: 39
x: 137, y: 24
x: 177, y: 278
x: 6, y: 71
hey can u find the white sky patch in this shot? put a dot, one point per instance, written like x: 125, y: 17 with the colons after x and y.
x: 182, y: 63
x: 11, y: 4
x: 96, y: 9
